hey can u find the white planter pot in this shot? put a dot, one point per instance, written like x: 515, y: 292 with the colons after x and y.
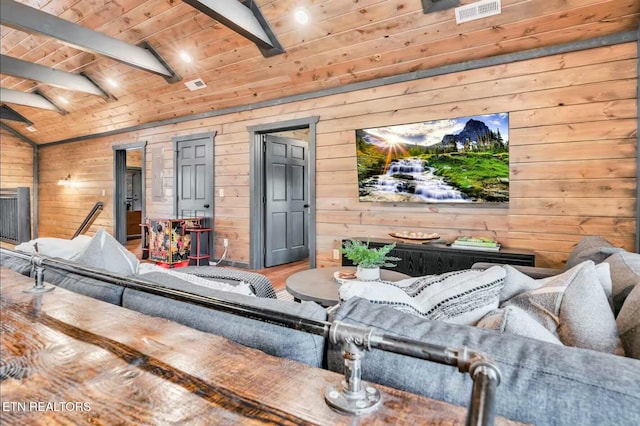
x: 367, y: 274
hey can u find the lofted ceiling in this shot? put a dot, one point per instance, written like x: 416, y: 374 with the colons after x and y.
x: 346, y: 41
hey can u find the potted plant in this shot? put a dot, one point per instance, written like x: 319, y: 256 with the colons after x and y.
x: 368, y: 260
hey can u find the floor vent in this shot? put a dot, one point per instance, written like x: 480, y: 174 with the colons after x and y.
x: 196, y: 84
x: 477, y: 10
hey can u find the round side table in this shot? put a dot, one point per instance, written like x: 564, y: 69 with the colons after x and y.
x: 319, y: 285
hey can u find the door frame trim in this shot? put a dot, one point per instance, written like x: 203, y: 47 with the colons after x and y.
x: 257, y: 193
x: 119, y: 224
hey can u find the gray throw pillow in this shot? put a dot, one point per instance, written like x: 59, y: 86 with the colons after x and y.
x: 590, y: 247
x: 629, y: 324
x: 516, y: 282
x: 458, y: 297
x: 625, y: 274
x: 105, y: 252
x: 514, y: 320
x: 574, y: 306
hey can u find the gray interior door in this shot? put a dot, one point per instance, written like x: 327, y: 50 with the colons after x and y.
x: 136, y: 191
x: 120, y: 195
x: 194, y: 179
x: 287, y: 200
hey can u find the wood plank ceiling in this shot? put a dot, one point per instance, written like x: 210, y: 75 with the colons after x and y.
x: 347, y: 41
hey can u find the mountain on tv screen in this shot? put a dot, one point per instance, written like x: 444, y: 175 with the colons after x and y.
x: 461, y: 160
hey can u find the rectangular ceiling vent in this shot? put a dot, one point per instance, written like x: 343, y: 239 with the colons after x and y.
x: 478, y: 10
x: 196, y: 84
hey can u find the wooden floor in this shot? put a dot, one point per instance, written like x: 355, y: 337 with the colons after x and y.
x: 276, y: 274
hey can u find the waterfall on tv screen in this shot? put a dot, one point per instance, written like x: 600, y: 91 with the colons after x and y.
x: 410, y: 176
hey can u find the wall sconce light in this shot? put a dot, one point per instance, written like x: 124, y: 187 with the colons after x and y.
x: 65, y: 180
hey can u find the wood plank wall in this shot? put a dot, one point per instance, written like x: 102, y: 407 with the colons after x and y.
x: 62, y: 209
x: 16, y: 165
x: 16, y: 162
x: 573, y: 136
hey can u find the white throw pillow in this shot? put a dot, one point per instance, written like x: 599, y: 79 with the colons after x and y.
x: 56, y: 247
x: 105, y: 252
x: 240, y: 288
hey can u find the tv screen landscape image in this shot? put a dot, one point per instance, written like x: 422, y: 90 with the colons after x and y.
x: 460, y: 160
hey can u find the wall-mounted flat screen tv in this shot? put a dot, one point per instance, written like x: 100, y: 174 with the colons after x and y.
x: 460, y: 160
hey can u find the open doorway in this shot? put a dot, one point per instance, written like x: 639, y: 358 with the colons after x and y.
x: 128, y: 191
x: 282, y: 225
x: 133, y: 198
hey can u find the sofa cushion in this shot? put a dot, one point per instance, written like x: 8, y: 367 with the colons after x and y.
x: 574, y: 306
x: 105, y: 252
x: 629, y: 324
x: 18, y: 264
x: 625, y: 274
x: 460, y: 297
x: 270, y: 338
x: 542, y: 383
x: 590, y: 247
x: 101, y: 290
x: 514, y: 320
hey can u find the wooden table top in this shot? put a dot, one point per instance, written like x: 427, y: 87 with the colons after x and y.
x: 71, y: 359
x: 319, y: 284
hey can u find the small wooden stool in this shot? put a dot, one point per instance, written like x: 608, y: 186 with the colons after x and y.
x: 199, y: 256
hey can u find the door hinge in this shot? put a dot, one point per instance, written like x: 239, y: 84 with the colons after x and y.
x: 264, y: 147
x: 264, y: 200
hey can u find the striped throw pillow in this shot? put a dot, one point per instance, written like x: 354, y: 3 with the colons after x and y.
x: 459, y: 297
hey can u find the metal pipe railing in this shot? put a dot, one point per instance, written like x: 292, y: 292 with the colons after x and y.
x: 91, y: 217
x: 352, y: 395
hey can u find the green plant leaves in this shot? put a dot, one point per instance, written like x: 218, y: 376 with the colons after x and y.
x: 361, y: 254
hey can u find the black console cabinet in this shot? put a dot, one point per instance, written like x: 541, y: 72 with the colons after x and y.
x: 436, y: 258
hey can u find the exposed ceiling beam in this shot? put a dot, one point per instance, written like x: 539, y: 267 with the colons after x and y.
x: 34, y: 21
x: 34, y: 100
x: 8, y: 113
x: 57, y: 78
x: 246, y: 21
x: 429, y: 6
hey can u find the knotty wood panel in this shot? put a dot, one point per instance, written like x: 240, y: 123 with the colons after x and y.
x: 16, y: 162
x: 16, y: 165
x: 573, y: 157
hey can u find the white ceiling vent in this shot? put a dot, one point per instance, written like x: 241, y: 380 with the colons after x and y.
x: 196, y: 84
x: 478, y: 10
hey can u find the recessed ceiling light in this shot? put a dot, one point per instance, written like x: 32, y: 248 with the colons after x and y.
x: 301, y: 15
x: 31, y: 129
x: 186, y: 57
x: 63, y: 100
x: 112, y: 82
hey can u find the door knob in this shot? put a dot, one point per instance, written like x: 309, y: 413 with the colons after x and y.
x: 306, y: 206
x: 206, y: 206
